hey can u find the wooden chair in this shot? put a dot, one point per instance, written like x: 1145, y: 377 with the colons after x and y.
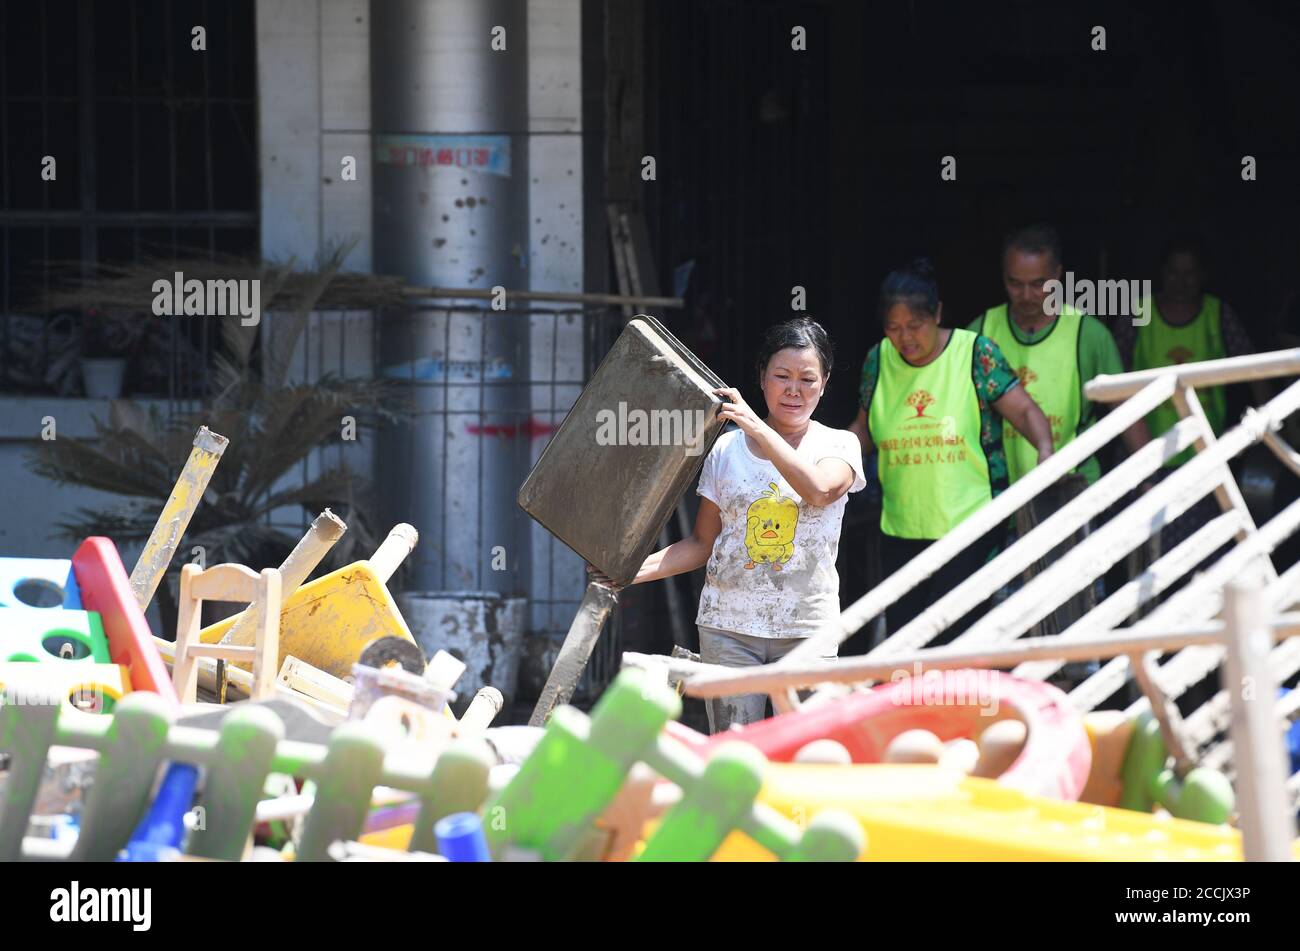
x: 228, y: 582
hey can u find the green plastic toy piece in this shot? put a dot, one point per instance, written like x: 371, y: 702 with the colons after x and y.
x: 26, y: 733
x: 548, y: 809
x: 129, y: 756
x: 712, y: 806
x: 352, y: 769
x: 237, y: 771
x: 577, y: 769
x: 459, y: 784
x: 832, y: 835
x: 1204, y: 794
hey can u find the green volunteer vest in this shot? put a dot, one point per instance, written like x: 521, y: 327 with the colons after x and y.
x: 1049, y: 372
x: 1160, y: 345
x: 925, y: 424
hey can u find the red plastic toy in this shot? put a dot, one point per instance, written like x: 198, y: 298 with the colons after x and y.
x: 950, y: 704
x: 106, y: 588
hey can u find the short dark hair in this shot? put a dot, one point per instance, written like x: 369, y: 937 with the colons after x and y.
x: 798, y: 333
x: 914, y: 285
x: 1184, y: 242
x: 1034, y: 239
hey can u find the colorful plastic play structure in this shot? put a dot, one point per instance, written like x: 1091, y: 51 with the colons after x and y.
x: 71, y: 630
x: 311, y: 727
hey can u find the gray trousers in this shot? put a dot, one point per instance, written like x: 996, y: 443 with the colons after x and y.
x: 729, y: 649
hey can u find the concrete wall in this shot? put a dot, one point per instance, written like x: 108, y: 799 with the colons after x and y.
x: 33, y: 507
x: 556, y: 262
x: 314, y: 77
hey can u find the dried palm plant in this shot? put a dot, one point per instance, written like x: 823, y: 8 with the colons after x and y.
x: 272, y: 424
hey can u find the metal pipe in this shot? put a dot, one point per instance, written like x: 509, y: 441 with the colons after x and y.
x: 1282, y: 449
x: 449, y: 97
x: 566, y: 297
x: 701, y: 680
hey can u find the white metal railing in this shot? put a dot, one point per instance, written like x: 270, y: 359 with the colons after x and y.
x: 1184, y: 622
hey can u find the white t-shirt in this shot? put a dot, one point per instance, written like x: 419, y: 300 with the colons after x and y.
x: 772, y: 570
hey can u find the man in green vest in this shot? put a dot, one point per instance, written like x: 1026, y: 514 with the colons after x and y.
x: 1053, y: 354
x: 1184, y: 324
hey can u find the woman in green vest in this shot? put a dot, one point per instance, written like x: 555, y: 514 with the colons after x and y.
x: 933, y: 399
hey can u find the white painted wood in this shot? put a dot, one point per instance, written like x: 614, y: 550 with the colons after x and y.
x: 297, y: 674
x: 996, y: 512
x: 1288, y: 456
x: 1203, y: 597
x: 1211, y: 717
x: 1111, y: 388
x: 1077, y: 568
x: 1227, y: 492
x: 1116, y: 643
x: 1146, y: 586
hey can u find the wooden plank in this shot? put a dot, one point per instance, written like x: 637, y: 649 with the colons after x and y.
x: 302, y: 677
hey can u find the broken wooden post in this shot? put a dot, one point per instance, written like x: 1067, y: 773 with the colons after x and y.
x: 326, y: 529
x: 176, y: 514
x: 597, y: 602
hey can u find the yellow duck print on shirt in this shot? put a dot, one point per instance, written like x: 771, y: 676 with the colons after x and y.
x: 769, y: 529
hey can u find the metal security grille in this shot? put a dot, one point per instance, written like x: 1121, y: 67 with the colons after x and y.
x: 155, y: 145
x: 743, y: 124
x: 450, y: 386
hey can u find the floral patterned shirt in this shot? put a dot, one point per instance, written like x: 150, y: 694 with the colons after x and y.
x: 992, y: 376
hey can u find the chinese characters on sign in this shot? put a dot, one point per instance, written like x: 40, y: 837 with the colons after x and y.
x: 489, y: 154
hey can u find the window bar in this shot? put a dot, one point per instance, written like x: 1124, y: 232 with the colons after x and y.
x: 483, y: 319
x: 5, y: 296
x: 170, y: 101
x: 135, y: 133
x: 446, y: 423
x: 86, y: 129
x: 45, y: 150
